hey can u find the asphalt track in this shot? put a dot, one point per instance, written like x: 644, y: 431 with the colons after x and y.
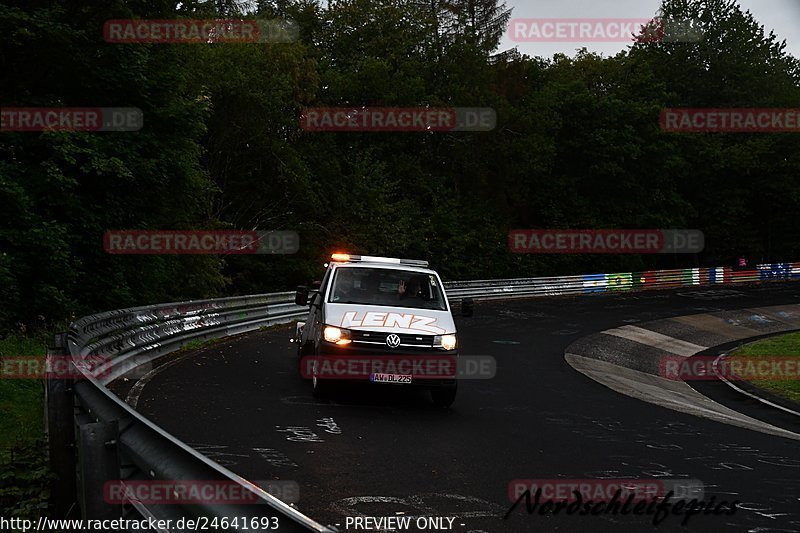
x: 388, y: 452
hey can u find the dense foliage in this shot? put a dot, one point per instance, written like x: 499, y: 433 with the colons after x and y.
x: 578, y: 145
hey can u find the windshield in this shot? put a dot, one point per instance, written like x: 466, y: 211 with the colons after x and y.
x: 389, y: 287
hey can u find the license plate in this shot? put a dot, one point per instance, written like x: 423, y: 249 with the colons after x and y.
x: 390, y: 378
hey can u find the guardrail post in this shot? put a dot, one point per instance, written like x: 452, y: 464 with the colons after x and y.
x: 98, y: 444
x: 59, y: 415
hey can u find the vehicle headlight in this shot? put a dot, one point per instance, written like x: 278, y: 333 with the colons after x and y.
x: 448, y: 342
x: 336, y: 335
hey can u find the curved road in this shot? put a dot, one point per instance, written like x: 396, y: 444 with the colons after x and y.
x: 389, y: 452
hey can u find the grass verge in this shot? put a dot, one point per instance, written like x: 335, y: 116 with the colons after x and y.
x: 784, y: 346
x: 24, y: 470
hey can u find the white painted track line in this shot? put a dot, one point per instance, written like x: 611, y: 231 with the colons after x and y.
x: 656, y: 340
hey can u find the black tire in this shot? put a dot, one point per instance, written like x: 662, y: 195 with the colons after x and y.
x: 303, y: 363
x: 321, y: 388
x: 444, y: 396
x: 302, y: 347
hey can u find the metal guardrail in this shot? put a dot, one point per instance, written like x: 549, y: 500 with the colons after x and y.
x: 134, y: 337
x: 619, y: 282
x: 114, y: 442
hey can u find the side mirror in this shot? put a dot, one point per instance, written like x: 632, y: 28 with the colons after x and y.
x: 467, y: 307
x: 317, y: 285
x: 301, y: 296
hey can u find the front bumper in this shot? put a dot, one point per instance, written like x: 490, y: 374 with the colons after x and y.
x: 429, y: 367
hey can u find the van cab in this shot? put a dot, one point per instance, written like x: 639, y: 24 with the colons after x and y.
x: 380, y: 320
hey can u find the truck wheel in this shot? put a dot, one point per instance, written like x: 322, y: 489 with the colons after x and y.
x: 320, y: 388
x: 444, y: 396
x: 298, y: 339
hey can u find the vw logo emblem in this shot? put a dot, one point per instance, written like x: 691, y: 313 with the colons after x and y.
x: 393, y: 341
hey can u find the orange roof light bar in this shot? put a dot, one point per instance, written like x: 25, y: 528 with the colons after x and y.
x: 347, y: 258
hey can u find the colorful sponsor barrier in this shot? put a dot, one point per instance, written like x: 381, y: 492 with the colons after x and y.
x: 688, y: 277
x: 619, y: 282
x: 776, y: 271
x: 594, y: 283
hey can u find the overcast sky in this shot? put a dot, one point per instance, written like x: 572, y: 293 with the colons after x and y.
x: 780, y: 16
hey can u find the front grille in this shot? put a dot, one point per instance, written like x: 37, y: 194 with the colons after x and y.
x: 406, y: 339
